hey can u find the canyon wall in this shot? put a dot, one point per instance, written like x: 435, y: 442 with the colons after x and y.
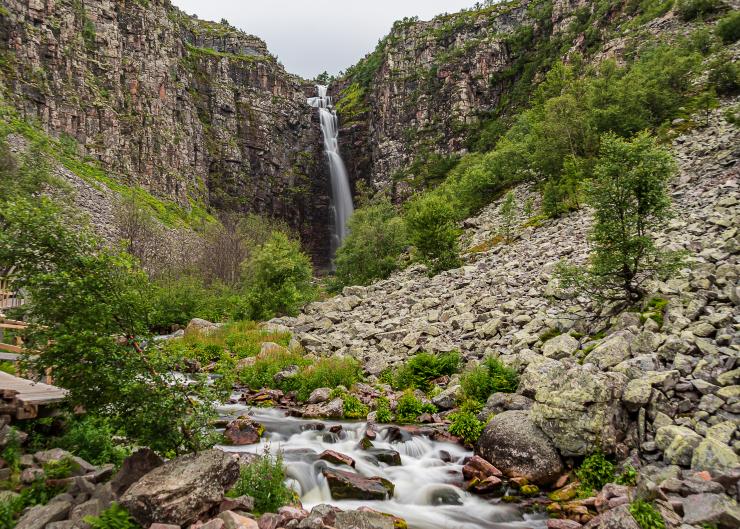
x: 194, y: 112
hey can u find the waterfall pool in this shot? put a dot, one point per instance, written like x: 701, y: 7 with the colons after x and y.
x: 427, y: 493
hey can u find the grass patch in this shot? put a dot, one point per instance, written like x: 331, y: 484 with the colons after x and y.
x: 264, y: 480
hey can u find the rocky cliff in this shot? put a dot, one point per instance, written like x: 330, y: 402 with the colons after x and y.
x: 195, y: 112
x: 433, y: 90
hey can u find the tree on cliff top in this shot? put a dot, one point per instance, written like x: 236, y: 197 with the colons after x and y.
x: 630, y: 200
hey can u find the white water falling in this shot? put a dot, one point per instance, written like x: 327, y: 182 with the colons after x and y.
x: 341, y: 207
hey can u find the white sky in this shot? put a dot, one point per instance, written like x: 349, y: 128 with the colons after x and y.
x: 310, y: 36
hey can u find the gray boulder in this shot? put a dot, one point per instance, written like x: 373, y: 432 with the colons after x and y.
x: 677, y: 444
x: 135, y: 467
x: 181, y: 490
x: 363, y: 520
x: 612, y: 351
x: 559, y: 347
x: 711, y: 509
x: 41, y: 515
x: 580, y: 410
x: 515, y: 445
x: 714, y: 456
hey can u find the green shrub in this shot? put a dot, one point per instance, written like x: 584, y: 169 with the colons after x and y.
x: 371, y: 251
x: 383, y: 410
x: 421, y: 369
x: 628, y: 476
x: 728, y: 29
x: 595, y: 472
x: 277, y: 279
x: 691, y: 9
x: 431, y: 223
x: 329, y: 373
x: 410, y: 407
x: 91, y: 438
x: 114, y: 517
x: 37, y: 493
x: 60, y: 469
x: 263, y: 480
x: 646, y: 515
x: 354, y: 408
x: 492, y: 376
x: 261, y: 374
x: 466, y: 425
x: 724, y: 77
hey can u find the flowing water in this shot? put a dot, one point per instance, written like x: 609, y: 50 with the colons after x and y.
x: 341, y: 206
x: 425, y: 494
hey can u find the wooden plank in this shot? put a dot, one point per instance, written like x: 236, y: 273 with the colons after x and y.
x: 13, y: 322
x: 11, y: 348
x: 12, y: 357
x: 12, y: 326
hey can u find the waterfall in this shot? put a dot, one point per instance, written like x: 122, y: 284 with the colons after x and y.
x: 341, y: 196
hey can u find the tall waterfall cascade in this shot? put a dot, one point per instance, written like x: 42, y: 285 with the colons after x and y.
x: 341, y: 195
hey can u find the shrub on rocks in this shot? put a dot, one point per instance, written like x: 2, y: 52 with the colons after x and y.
x: 646, y: 515
x: 115, y: 517
x: 263, y: 480
x: 410, y: 407
x: 421, y: 369
x: 595, y: 472
x: 492, y: 376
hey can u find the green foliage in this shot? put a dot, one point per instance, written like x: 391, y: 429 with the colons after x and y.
x: 262, y: 372
x: 60, y: 469
x: 114, y: 517
x: 177, y: 300
x: 263, y: 480
x: 724, y: 76
x: 383, y: 410
x: 372, y: 250
x: 354, y: 408
x: 410, y: 407
x: 630, y: 199
x: 628, y: 476
x: 37, y: 493
x: 419, y: 371
x: 90, y: 308
x: 491, y: 376
x: 691, y: 9
x: 432, y: 227
x: 466, y: 425
x: 728, y: 28
x: 329, y: 373
x: 352, y: 103
x: 278, y: 279
x: 646, y: 515
x: 595, y: 472
x: 91, y: 438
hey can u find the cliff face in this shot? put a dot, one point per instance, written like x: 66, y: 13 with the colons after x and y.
x: 430, y: 88
x: 194, y: 112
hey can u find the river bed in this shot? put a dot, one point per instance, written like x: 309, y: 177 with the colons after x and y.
x: 426, y: 494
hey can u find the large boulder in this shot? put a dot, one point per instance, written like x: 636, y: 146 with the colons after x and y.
x: 363, y: 520
x: 611, y: 351
x: 580, y: 409
x: 714, y: 456
x: 677, y: 444
x: 717, y: 510
x: 181, y: 490
x: 512, y: 443
x: 135, y: 467
x: 559, y: 347
x: 353, y: 486
x: 38, y: 517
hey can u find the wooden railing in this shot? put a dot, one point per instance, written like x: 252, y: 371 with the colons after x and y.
x: 9, y: 298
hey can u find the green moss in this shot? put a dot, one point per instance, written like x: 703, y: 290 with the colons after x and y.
x: 352, y: 103
x: 197, y: 52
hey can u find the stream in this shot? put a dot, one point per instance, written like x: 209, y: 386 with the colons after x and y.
x: 426, y: 495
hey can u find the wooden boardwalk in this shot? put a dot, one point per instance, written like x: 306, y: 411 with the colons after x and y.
x: 22, y: 398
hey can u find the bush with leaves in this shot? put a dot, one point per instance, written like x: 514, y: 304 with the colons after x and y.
x: 353, y: 407
x: 263, y: 480
x: 329, y: 372
x: 630, y: 200
x: 383, y: 413
x: 728, y: 29
x: 507, y: 210
x: 421, y: 369
x: 91, y: 438
x: 646, y: 515
x: 465, y: 423
x: 595, y: 472
x: 89, y: 311
x: 409, y: 407
x: 491, y: 376
x: 724, y: 76
x: 371, y: 251
x: 277, y: 279
x: 691, y: 9
x: 432, y: 227
x: 114, y: 517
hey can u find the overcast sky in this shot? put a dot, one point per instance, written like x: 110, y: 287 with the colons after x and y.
x: 310, y: 36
